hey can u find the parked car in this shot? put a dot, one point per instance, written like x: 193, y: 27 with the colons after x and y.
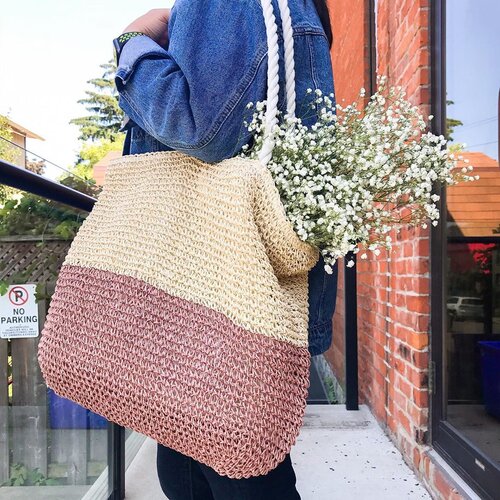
x: 463, y: 308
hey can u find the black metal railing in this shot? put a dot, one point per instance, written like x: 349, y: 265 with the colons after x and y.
x: 351, y: 335
x: 20, y: 178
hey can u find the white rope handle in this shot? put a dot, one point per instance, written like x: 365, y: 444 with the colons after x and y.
x: 289, y: 56
x: 271, y: 118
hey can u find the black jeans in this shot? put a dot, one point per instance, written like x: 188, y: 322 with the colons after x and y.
x: 183, y: 478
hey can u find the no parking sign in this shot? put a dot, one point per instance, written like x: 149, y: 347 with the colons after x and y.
x: 19, y: 312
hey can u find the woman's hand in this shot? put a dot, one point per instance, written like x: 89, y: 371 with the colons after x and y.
x: 154, y: 24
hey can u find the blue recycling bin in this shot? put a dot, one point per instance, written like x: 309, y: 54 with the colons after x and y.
x: 66, y: 414
x: 490, y: 371
x: 96, y: 421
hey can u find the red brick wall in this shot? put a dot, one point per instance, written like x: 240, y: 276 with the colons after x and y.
x: 350, y: 47
x: 394, y: 288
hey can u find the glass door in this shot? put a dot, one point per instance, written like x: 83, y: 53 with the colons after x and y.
x: 466, y: 339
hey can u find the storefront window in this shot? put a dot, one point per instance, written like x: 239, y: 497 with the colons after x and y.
x: 472, y: 267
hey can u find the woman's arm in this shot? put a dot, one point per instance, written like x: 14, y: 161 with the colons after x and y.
x: 192, y: 96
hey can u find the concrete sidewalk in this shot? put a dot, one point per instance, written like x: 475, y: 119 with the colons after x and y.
x: 339, y: 454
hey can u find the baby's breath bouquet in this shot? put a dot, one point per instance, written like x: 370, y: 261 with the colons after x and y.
x: 355, y: 174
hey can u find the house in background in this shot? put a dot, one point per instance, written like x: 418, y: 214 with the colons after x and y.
x: 19, y: 136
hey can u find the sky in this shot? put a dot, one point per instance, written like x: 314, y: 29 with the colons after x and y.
x: 50, y: 48
x: 473, y: 72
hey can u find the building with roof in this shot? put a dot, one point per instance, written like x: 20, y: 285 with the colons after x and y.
x: 19, y: 136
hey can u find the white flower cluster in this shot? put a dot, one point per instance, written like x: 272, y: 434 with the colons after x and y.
x: 354, y: 175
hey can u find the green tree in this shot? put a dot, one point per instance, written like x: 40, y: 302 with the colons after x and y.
x: 99, y: 131
x: 33, y: 215
x: 105, y: 116
x: 7, y: 151
x: 92, y: 152
x: 451, y: 123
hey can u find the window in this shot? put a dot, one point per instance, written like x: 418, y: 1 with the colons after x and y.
x: 466, y: 346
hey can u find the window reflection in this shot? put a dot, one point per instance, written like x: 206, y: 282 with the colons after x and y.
x: 473, y: 342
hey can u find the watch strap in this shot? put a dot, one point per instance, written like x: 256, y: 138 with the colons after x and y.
x: 121, y: 40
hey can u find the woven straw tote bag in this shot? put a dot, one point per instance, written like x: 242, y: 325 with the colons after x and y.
x: 181, y: 308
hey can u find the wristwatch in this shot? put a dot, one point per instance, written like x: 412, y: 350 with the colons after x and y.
x: 121, y: 40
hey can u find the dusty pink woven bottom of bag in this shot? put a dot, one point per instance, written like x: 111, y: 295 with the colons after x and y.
x: 233, y: 400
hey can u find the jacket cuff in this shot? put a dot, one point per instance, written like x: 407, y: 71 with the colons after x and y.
x: 133, y: 51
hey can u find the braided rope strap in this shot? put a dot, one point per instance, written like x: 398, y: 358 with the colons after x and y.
x: 289, y: 56
x: 271, y: 118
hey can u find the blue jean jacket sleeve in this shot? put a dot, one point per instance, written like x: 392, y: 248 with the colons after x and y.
x: 191, y: 97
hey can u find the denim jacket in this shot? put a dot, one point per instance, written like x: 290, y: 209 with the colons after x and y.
x: 192, y: 96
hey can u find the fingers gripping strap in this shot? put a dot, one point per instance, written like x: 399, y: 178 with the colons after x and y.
x: 273, y: 68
